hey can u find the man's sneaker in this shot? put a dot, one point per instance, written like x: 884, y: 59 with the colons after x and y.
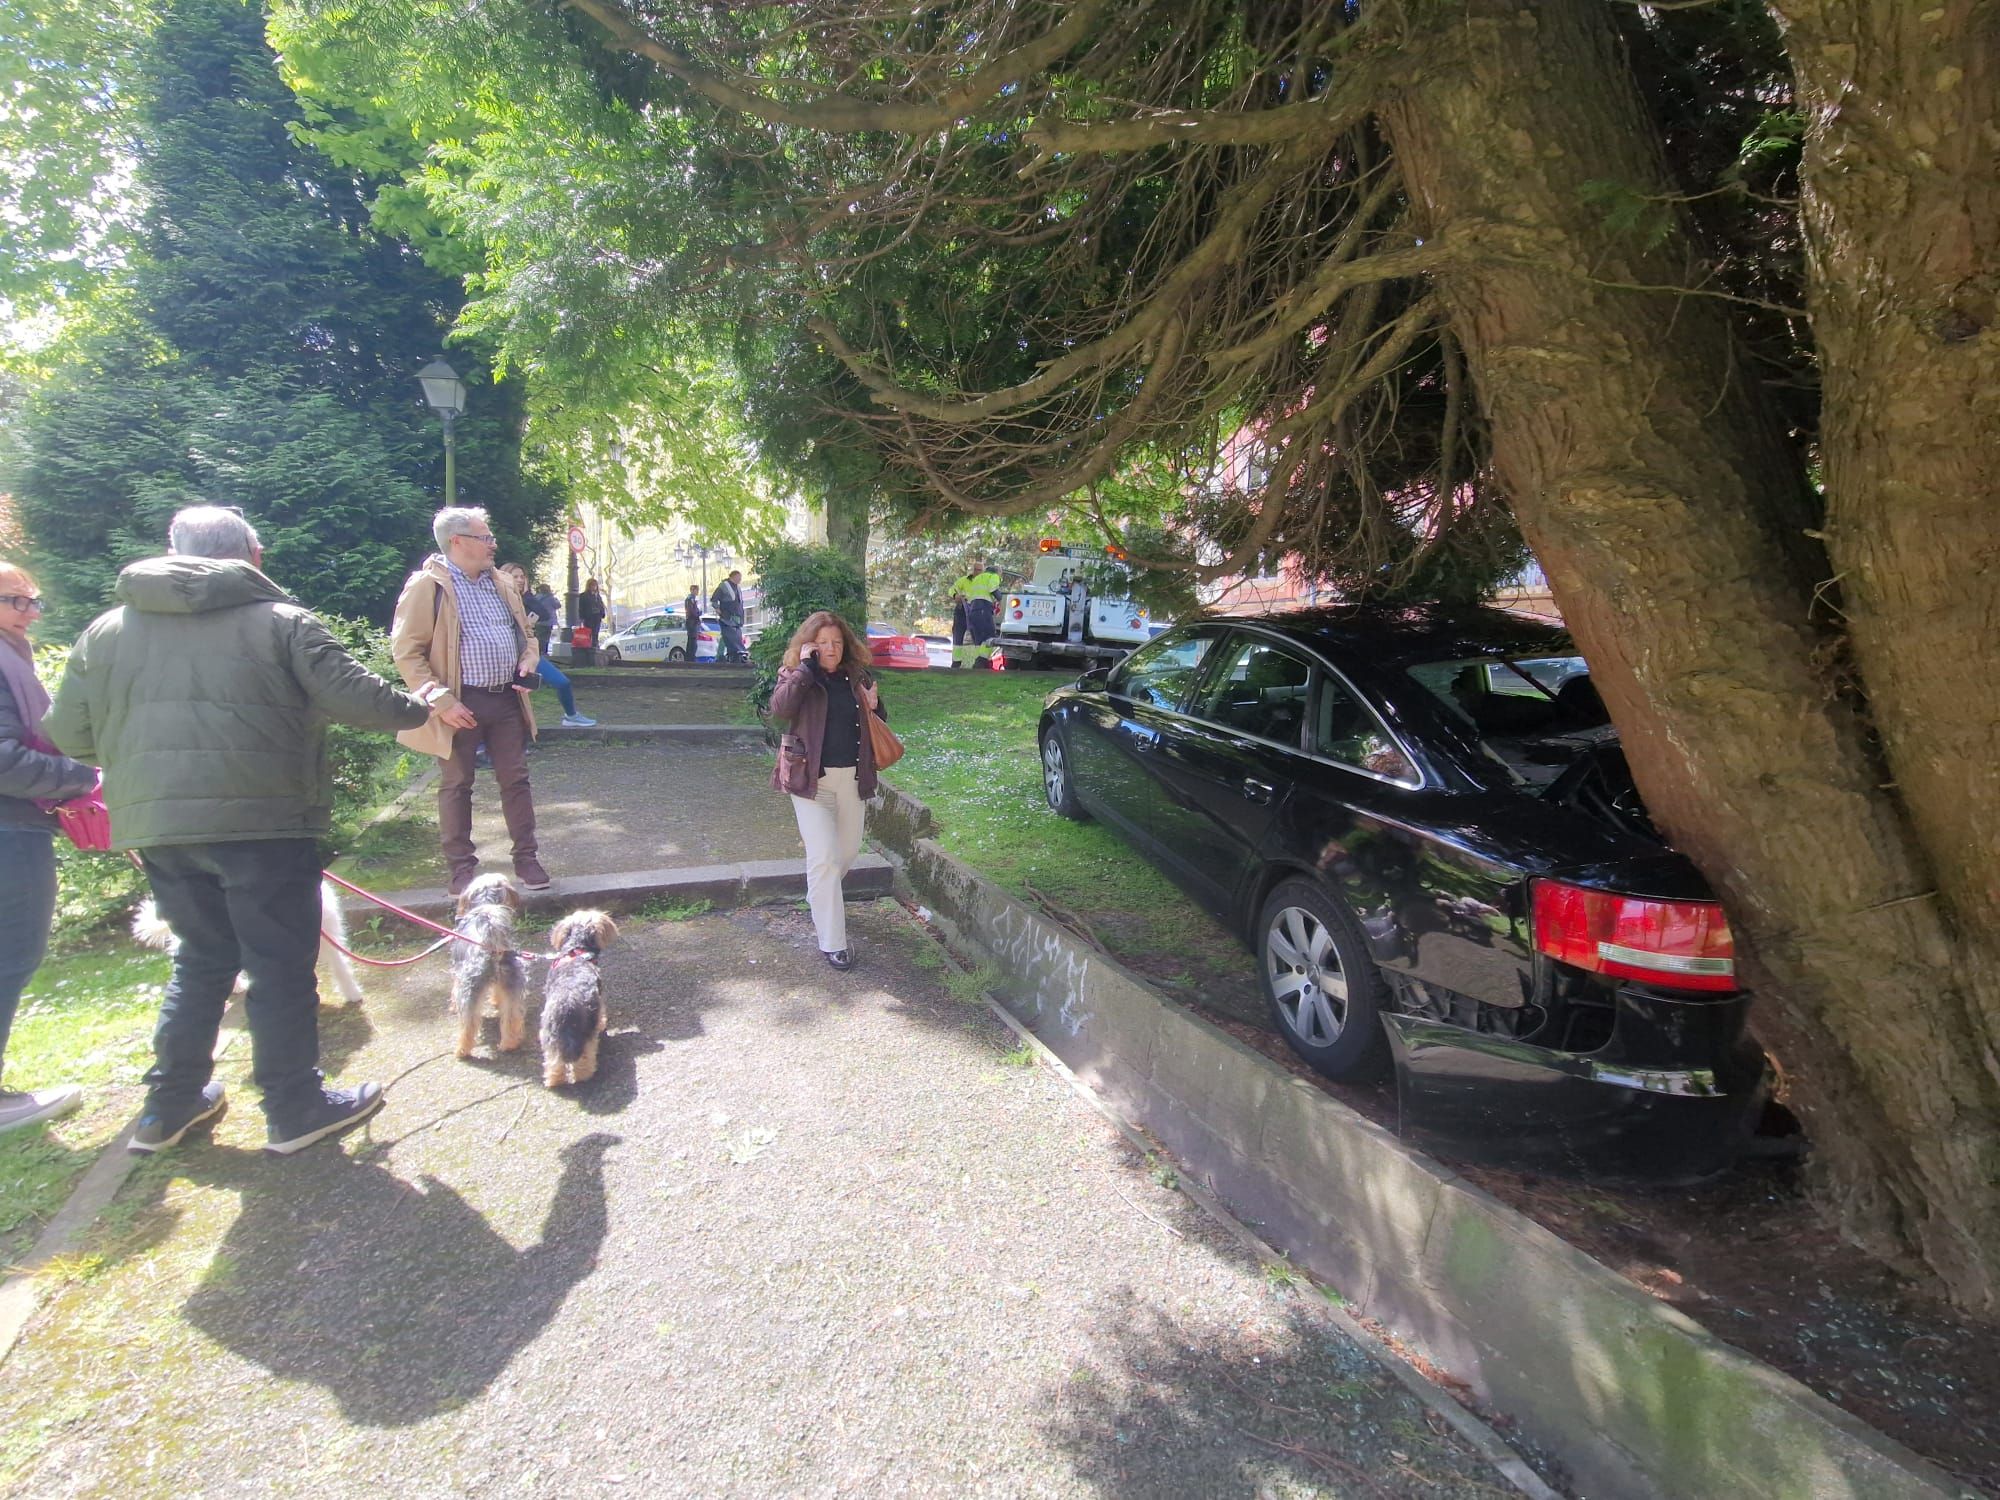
x: 19, y: 1107
x: 578, y: 721
x: 531, y: 875
x: 163, y: 1127
x: 331, y: 1112
x: 460, y: 879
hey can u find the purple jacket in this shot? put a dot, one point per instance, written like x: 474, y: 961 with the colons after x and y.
x: 800, y: 701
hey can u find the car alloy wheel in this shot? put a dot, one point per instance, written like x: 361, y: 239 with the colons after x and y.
x: 612, y: 656
x: 1322, y: 986
x: 1057, y: 784
x: 1307, y: 983
x: 676, y: 653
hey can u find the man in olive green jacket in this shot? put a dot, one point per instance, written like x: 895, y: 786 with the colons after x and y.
x: 205, y: 696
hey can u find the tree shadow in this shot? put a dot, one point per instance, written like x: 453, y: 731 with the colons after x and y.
x: 398, y: 1297
x: 1291, y: 1408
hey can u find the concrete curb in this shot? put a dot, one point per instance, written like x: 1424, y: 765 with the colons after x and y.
x: 719, y: 885
x: 1634, y: 1397
x: 683, y: 734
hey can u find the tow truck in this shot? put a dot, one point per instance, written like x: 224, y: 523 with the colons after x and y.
x: 1055, y: 616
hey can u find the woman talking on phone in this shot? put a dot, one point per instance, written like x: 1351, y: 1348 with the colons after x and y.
x: 826, y: 760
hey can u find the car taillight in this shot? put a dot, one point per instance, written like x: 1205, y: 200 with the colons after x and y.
x: 1684, y: 944
x: 1013, y: 601
x: 1133, y: 623
x: 1017, y: 614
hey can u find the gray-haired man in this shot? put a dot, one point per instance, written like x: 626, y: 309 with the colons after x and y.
x: 461, y: 638
x: 205, y: 697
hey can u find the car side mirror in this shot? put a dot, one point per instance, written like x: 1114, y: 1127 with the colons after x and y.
x: 1096, y: 680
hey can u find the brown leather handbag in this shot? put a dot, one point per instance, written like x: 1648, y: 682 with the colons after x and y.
x: 882, y: 740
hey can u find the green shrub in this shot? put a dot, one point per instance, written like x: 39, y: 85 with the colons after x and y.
x: 797, y: 581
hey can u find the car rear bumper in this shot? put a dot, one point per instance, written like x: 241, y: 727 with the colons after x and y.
x: 1629, y: 1109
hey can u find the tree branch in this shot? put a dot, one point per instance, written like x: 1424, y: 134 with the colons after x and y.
x: 1221, y: 247
x: 1360, y: 88
x: 842, y: 116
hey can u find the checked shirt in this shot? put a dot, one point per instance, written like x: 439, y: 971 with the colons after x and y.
x: 488, y: 652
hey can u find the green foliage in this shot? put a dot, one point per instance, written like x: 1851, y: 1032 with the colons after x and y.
x: 261, y: 356
x: 63, y: 116
x: 797, y: 581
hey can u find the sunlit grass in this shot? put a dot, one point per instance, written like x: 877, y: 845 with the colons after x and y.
x: 972, y: 757
x: 87, y: 1018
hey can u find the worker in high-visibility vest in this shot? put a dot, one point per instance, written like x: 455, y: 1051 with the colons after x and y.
x: 978, y: 590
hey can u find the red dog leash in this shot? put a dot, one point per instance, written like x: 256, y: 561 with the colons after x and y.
x: 448, y: 934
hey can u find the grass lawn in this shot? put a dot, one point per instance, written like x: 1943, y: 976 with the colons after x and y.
x: 972, y: 757
x: 86, y: 1018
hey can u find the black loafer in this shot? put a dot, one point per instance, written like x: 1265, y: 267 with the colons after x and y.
x: 840, y: 960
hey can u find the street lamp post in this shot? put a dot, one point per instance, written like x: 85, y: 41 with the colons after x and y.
x: 446, y: 394
x: 687, y: 553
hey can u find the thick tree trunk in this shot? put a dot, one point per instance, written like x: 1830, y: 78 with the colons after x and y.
x: 1670, y: 514
x: 847, y: 524
x: 1901, y: 206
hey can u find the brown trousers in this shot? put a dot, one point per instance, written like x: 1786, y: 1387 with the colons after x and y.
x: 503, y: 727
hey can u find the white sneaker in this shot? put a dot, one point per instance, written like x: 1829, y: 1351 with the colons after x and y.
x: 19, y: 1108
x: 577, y: 721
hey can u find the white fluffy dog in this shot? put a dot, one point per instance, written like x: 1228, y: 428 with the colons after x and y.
x: 149, y: 928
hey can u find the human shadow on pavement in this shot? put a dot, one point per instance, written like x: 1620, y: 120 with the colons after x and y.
x: 398, y: 1297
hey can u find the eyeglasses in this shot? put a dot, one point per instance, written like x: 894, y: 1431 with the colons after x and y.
x: 478, y: 536
x: 23, y: 602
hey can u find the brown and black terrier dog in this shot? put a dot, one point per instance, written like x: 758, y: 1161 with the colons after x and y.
x: 489, y: 966
x: 573, y: 1013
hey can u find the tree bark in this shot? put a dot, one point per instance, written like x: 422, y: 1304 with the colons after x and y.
x: 1670, y: 514
x: 1901, y: 207
x: 847, y: 524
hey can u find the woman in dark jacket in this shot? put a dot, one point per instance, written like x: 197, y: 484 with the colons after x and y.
x: 826, y: 762
x: 30, y: 772
x: 590, y: 610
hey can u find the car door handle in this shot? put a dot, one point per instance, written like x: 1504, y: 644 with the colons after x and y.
x: 1255, y: 790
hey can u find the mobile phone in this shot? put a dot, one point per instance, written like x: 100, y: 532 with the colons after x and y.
x: 528, y: 680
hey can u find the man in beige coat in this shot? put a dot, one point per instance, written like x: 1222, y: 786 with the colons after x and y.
x: 461, y: 640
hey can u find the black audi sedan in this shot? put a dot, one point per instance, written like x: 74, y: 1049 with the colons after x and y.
x: 1422, y: 824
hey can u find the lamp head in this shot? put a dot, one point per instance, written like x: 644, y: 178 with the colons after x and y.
x: 442, y: 388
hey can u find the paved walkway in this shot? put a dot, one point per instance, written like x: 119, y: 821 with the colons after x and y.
x: 808, y: 1233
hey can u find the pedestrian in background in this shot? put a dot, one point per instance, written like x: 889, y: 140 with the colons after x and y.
x: 206, y: 695
x: 826, y: 761
x: 692, y: 605
x: 728, y: 602
x: 543, y: 609
x: 590, y: 610
x: 977, y: 590
x: 463, y: 639
x: 32, y: 774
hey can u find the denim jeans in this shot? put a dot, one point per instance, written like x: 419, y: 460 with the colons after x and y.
x: 29, y: 858
x: 251, y: 906
x: 553, y: 676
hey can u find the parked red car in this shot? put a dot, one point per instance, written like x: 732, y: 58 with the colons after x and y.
x: 893, y: 648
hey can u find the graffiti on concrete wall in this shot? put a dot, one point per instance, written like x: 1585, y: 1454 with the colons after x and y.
x: 1046, y: 963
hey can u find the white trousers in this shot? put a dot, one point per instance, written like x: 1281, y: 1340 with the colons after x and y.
x: 830, y: 824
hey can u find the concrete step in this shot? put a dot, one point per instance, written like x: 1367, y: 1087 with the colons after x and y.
x: 720, y: 885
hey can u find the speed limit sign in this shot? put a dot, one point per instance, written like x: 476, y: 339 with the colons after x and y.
x: 576, y: 539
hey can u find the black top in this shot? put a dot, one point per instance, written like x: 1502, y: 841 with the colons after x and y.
x: 842, y: 743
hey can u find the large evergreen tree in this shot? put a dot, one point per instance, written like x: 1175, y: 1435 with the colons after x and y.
x: 262, y: 355
x: 1165, y: 218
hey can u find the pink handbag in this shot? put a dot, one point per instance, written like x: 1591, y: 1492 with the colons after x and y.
x: 84, y: 820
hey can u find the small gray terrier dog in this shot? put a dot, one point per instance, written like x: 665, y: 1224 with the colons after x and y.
x: 573, y: 1013
x: 490, y: 966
